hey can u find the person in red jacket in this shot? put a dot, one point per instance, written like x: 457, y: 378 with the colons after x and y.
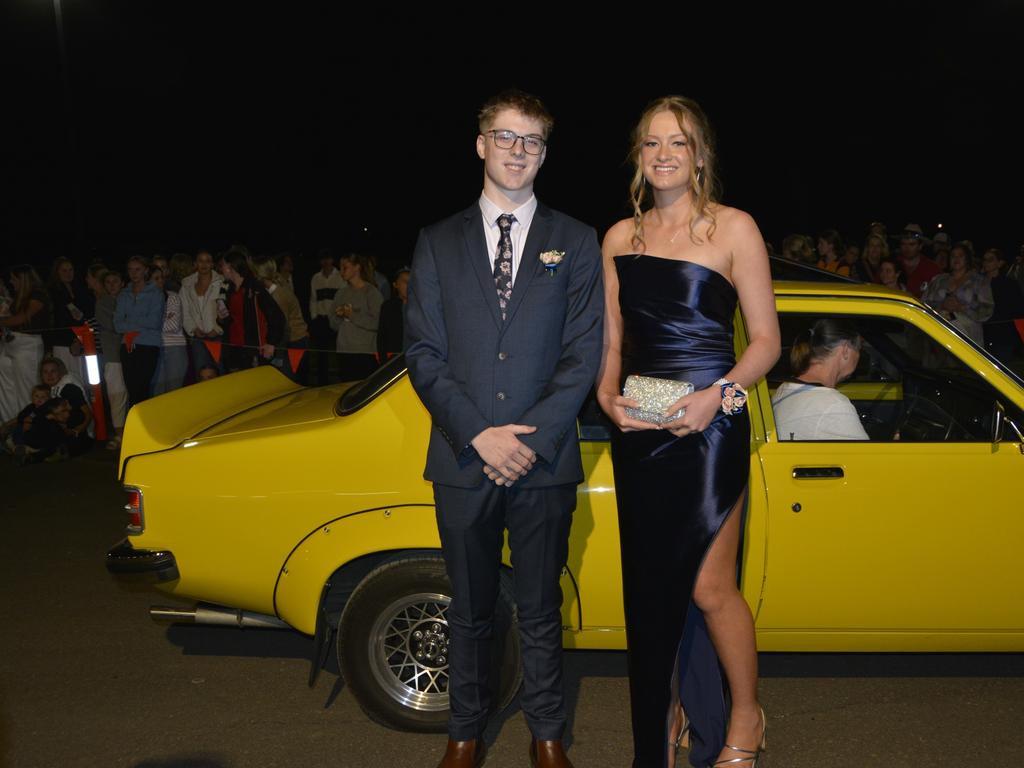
x: 255, y: 325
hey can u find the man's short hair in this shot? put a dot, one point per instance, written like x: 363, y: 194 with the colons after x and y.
x: 525, y: 103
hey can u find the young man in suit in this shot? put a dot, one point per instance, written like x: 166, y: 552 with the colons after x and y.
x: 503, y: 341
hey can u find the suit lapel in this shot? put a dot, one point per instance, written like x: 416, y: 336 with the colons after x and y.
x: 529, y: 264
x: 475, y: 245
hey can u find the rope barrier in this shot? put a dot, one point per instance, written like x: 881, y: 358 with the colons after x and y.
x: 87, y: 336
x: 40, y: 331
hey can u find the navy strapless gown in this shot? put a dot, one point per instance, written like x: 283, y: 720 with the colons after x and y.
x: 673, y: 495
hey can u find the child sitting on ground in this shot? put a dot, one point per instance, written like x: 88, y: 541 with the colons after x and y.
x: 52, y: 435
x: 14, y: 431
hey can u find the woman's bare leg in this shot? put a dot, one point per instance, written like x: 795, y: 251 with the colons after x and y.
x: 731, y: 628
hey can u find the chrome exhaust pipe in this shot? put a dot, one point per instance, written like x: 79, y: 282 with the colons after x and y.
x: 204, y: 613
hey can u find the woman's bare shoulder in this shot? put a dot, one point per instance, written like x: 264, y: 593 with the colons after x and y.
x: 619, y: 238
x: 733, y: 220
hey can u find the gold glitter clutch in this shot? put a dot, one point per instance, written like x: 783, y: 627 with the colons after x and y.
x: 654, y: 396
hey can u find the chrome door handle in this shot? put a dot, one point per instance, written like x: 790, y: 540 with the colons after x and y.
x: 817, y: 472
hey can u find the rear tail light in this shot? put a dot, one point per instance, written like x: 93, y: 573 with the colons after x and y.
x: 133, y: 506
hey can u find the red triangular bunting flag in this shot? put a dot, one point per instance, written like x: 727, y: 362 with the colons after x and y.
x: 129, y: 340
x: 1020, y: 328
x: 213, y: 347
x: 80, y: 332
x: 295, y: 357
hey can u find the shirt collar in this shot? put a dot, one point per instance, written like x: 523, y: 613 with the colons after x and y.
x: 524, y: 213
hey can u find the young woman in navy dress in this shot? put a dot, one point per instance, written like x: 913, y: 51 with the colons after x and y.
x: 674, y: 274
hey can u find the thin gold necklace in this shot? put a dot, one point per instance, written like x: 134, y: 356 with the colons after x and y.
x: 678, y: 230
x: 675, y: 234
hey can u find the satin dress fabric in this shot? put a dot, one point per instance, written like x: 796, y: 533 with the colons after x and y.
x: 674, y: 494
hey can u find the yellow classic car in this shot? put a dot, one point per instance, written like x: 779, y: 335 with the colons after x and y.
x: 276, y: 505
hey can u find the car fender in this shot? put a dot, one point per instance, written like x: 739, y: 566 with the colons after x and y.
x: 337, y: 542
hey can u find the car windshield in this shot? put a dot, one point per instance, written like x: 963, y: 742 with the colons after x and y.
x: 995, y: 361
x: 784, y: 269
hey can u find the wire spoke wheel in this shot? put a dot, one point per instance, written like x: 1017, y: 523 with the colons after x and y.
x: 409, y: 651
x: 394, y: 644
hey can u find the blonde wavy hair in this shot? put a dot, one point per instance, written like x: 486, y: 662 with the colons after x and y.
x: 882, y: 245
x: 266, y: 269
x: 703, y: 181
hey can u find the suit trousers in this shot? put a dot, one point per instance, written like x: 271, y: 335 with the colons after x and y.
x: 471, y: 522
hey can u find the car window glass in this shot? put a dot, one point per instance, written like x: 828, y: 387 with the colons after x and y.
x: 907, y: 386
x: 361, y: 393
x: 593, y: 424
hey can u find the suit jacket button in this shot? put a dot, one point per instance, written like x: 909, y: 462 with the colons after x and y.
x: 501, y: 395
x: 502, y: 355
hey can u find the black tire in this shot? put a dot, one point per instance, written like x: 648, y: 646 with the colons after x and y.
x: 399, y: 677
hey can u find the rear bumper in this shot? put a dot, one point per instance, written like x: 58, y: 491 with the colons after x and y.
x: 127, y: 562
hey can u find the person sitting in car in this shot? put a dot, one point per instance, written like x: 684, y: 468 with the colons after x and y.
x: 808, y: 406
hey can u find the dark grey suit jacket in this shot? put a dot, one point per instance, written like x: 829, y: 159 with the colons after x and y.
x: 473, y: 371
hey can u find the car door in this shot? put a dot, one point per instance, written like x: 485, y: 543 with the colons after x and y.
x: 594, y: 557
x: 909, y: 540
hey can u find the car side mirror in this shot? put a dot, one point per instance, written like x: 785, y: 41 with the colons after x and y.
x: 999, y: 424
x: 1016, y: 431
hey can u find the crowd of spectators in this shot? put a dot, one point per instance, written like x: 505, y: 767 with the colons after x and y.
x: 982, y: 294
x: 168, y: 323
x: 162, y: 324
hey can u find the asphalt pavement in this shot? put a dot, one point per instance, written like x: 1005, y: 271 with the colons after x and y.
x: 87, y: 679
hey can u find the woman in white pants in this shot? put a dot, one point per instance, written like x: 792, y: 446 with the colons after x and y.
x: 21, y: 351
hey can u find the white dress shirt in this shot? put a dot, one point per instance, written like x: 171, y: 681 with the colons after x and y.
x: 520, y: 229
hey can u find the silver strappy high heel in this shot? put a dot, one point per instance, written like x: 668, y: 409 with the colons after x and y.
x: 682, y: 738
x: 752, y: 756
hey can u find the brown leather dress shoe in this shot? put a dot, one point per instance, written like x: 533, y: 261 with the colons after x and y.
x: 464, y: 754
x: 548, y: 754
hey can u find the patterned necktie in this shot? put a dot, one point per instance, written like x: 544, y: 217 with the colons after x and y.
x: 503, y: 262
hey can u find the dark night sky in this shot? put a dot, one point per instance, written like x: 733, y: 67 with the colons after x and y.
x: 190, y: 130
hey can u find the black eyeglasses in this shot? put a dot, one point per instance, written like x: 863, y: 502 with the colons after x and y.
x: 532, y: 145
